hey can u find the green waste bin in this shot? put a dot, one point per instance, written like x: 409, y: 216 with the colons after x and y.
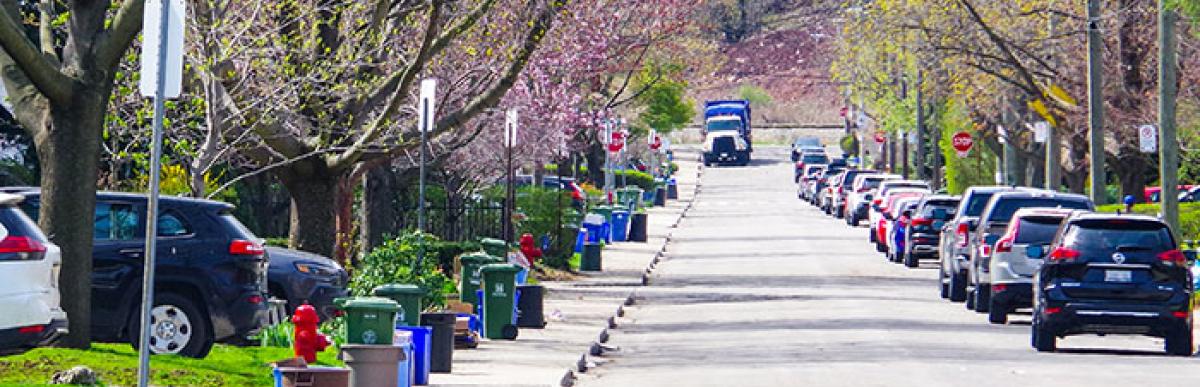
x: 370, y: 320
x: 629, y: 196
x: 494, y: 247
x: 499, y: 300
x: 469, y: 278
x: 408, y: 296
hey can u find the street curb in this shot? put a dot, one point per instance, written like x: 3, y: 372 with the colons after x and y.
x: 596, y: 349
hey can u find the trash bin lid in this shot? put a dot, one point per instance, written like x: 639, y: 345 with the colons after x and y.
x: 620, y: 213
x: 493, y: 242
x: 372, y: 303
x: 398, y: 290
x: 475, y: 259
x: 500, y: 268
x: 593, y: 219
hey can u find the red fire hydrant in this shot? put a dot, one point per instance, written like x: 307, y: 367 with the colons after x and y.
x: 306, y: 341
x: 531, y: 252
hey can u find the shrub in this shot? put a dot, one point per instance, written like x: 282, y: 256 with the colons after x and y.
x: 445, y: 252
x: 635, y: 178
x: 393, y: 262
x: 542, y: 216
x: 1189, y: 216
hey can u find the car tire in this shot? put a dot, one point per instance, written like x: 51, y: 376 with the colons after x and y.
x: 970, y: 301
x: 853, y: 221
x: 871, y: 237
x: 983, y: 298
x: 187, y: 320
x: 911, y: 261
x: 997, y: 314
x: 1043, y: 339
x: 957, y: 287
x: 1179, y: 343
x: 880, y: 247
x: 943, y: 285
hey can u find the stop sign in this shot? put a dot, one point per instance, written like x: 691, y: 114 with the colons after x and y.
x: 655, y: 142
x: 880, y: 137
x: 617, y: 142
x: 962, y: 142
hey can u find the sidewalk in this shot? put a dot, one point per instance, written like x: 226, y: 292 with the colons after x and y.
x: 577, y: 311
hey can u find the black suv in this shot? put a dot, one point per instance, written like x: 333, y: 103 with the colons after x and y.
x: 300, y: 277
x: 1113, y: 274
x: 210, y: 275
x: 923, y: 231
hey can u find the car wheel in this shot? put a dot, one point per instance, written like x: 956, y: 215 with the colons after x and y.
x: 957, y: 287
x: 943, y: 285
x: 177, y: 327
x: 910, y: 261
x: 970, y: 301
x: 1043, y: 339
x: 1180, y: 343
x: 997, y: 314
x: 853, y: 221
x: 871, y: 237
x: 983, y: 299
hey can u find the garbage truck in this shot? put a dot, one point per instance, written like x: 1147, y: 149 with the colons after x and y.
x: 726, y: 130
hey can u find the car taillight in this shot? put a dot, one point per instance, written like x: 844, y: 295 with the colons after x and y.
x: 255, y: 299
x: 1175, y: 257
x: 922, y: 222
x: 877, y: 201
x: 961, y: 232
x: 999, y: 288
x: 1004, y: 245
x: 1053, y: 310
x: 985, y: 251
x: 21, y: 248
x: 1181, y: 314
x: 32, y: 329
x: 1063, y: 254
x: 841, y: 190
x: 245, y: 247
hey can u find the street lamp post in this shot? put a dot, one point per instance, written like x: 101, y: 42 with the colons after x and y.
x: 428, y: 95
x: 510, y: 141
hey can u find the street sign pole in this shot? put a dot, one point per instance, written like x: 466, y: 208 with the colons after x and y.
x: 510, y: 141
x: 428, y: 94
x: 608, y: 178
x: 160, y: 93
x: 1095, y: 106
x: 1168, y: 147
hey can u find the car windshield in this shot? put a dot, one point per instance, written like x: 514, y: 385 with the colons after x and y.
x: 1100, y: 238
x: 872, y: 183
x: 1005, y: 208
x: 1037, y: 229
x: 719, y: 125
x: 929, y: 208
x: 815, y: 158
x: 976, y: 203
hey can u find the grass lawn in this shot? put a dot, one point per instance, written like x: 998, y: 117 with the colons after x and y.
x: 117, y: 366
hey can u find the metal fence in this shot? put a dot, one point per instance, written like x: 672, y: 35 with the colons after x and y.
x: 458, y: 223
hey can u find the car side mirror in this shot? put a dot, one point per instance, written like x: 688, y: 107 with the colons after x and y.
x: 1034, y: 252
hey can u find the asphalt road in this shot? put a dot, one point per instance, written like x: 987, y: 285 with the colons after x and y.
x: 760, y: 289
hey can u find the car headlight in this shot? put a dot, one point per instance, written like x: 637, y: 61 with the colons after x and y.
x: 316, y: 269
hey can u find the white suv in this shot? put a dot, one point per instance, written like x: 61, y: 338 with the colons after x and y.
x: 859, y: 198
x: 29, y: 267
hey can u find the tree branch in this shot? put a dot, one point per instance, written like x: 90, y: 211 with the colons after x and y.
x: 125, y: 26
x: 40, y: 70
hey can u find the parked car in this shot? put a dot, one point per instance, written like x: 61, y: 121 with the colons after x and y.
x: 1113, y: 274
x: 922, y: 235
x: 828, y: 195
x: 1011, y: 268
x: 900, y: 215
x: 810, y: 157
x: 210, y: 277
x: 858, y: 200
x: 29, y: 267
x: 844, y: 189
x: 807, y: 177
x: 992, y: 224
x: 952, y: 252
x: 822, y: 183
x: 1153, y: 194
x: 804, y: 143
x: 882, y: 212
x: 305, y: 278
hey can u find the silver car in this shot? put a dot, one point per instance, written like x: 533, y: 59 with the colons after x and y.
x: 1017, y: 256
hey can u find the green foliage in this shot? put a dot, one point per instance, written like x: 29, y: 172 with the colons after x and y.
x: 849, y: 145
x: 979, y: 167
x: 277, y: 242
x: 446, y: 251
x: 756, y: 95
x: 541, y: 215
x: 117, y: 364
x: 278, y: 335
x: 393, y: 263
x: 667, y: 106
x: 634, y: 178
x: 175, y: 179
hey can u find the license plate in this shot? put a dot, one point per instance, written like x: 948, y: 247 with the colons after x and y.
x: 1118, y: 276
x: 724, y: 154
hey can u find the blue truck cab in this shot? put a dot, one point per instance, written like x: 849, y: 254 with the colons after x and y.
x: 727, y: 132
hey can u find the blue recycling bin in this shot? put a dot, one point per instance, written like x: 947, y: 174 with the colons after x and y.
x: 405, y: 367
x: 421, y: 340
x: 581, y: 237
x: 620, y: 225
x: 593, y: 224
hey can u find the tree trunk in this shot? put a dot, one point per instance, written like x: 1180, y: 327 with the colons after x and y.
x: 379, y: 215
x: 313, y: 222
x: 343, y: 247
x: 595, y: 164
x: 68, y: 150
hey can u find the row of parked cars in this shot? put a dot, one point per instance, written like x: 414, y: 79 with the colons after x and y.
x: 213, y: 275
x: 1000, y: 249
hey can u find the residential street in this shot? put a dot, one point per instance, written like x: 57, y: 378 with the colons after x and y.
x: 759, y: 288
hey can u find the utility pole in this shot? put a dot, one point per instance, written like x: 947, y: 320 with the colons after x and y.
x: 1095, y: 104
x: 1168, y: 145
x: 921, y: 151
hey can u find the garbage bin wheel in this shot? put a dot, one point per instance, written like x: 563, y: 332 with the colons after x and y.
x: 510, y: 332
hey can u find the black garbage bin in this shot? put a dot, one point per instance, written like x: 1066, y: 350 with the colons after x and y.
x: 591, y: 257
x: 660, y: 196
x: 529, y: 307
x: 637, y: 227
x: 441, y: 346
